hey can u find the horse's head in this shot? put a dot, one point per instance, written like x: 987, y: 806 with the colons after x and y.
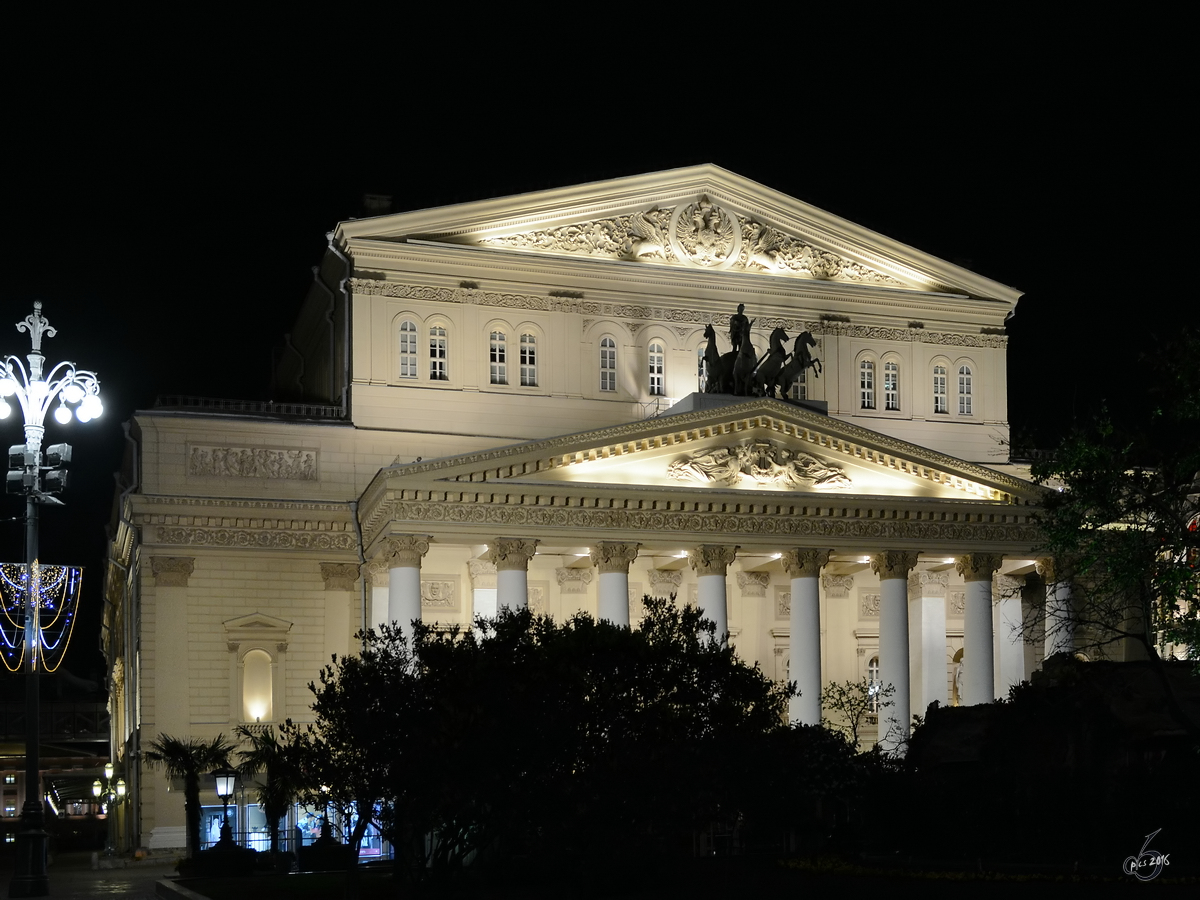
x: 778, y: 335
x: 709, y: 333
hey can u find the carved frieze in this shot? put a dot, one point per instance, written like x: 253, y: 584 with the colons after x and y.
x: 783, y: 602
x: 762, y: 462
x: 253, y: 462
x: 868, y: 605
x: 439, y: 593
x: 702, y: 234
x: 256, y: 539
x: 957, y: 602
x: 536, y: 597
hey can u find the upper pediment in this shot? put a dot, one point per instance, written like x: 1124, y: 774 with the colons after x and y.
x: 700, y: 218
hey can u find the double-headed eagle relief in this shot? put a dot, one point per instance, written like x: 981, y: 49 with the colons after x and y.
x: 763, y: 463
x: 702, y: 233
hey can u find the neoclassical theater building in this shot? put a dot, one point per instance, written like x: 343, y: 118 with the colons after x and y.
x: 503, y: 403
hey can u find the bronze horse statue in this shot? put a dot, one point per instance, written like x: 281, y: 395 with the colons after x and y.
x: 801, y: 360
x: 718, y: 366
x: 771, y: 364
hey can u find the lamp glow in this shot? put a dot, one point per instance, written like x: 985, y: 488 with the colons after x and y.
x: 62, y: 415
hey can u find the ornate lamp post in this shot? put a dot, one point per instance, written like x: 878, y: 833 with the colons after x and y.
x: 77, y: 392
x: 111, y: 792
x: 226, y: 780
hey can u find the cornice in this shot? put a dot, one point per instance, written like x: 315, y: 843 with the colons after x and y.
x: 142, y: 502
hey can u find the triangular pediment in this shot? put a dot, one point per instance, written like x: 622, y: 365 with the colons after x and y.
x: 699, y: 218
x: 756, y: 445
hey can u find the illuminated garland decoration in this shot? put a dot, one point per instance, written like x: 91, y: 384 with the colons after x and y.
x: 56, y: 593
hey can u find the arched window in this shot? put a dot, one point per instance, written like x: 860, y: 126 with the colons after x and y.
x: 940, y: 403
x: 528, y: 360
x: 891, y: 385
x: 657, y: 379
x: 964, y: 391
x: 608, y: 364
x: 498, y: 350
x: 439, y: 354
x: 408, y: 349
x: 866, y: 384
x: 256, y: 686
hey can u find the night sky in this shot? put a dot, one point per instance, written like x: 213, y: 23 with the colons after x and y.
x: 169, y: 221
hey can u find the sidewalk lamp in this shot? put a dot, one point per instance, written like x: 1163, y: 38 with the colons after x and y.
x: 226, y: 779
x: 74, y: 393
x: 111, y: 792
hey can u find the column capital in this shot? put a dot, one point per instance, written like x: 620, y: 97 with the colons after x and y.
x: 483, y: 574
x: 893, y: 564
x: 573, y: 581
x: 614, y: 556
x: 511, y: 554
x: 668, y: 578
x: 339, y: 576
x: 928, y: 584
x: 800, y: 562
x: 172, y: 571
x: 753, y: 584
x: 711, y: 559
x: 405, y: 550
x: 837, y: 587
x: 377, y: 571
x: 978, y: 566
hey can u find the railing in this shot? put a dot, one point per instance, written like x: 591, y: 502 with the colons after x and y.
x: 251, y: 407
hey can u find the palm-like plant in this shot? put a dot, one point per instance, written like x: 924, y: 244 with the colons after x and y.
x: 268, y: 756
x: 188, y: 759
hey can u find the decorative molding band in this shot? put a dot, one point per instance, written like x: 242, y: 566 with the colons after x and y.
x: 597, y: 309
x: 172, y: 571
x: 252, y: 462
x: 339, y: 576
x: 256, y: 539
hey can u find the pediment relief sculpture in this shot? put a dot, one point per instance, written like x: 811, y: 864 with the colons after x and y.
x: 703, y: 234
x: 764, y: 464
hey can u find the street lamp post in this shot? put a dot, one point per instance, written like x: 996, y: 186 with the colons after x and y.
x: 77, y: 392
x: 111, y: 791
x: 226, y: 780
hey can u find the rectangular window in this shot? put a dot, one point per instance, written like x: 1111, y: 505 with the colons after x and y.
x: 438, y: 354
x: 866, y: 384
x: 499, y: 358
x: 408, y: 349
x: 528, y: 360
x: 891, y: 385
x: 799, y: 390
x: 608, y: 365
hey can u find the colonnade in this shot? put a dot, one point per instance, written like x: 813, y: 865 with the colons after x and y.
x: 912, y: 613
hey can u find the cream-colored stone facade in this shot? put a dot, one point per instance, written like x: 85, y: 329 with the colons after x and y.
x: 497, y: 403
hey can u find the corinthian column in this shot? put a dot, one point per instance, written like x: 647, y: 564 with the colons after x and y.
x: 511, y: 558
x: 403, y: 554
x: 927, y: 637
x: 612, y: 558
x: 978, y: 659
x: 710, y: 562
x: 892, y: 567
x: 804, y: 568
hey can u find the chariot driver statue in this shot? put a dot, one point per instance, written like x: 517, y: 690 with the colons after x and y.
x: 738, y: 325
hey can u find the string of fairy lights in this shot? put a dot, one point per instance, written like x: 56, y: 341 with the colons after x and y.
x: 55, y: 599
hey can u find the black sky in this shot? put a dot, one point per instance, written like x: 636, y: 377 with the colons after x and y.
x: 168, y: 211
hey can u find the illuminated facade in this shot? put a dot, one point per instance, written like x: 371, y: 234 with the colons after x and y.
x: 498, y: 403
